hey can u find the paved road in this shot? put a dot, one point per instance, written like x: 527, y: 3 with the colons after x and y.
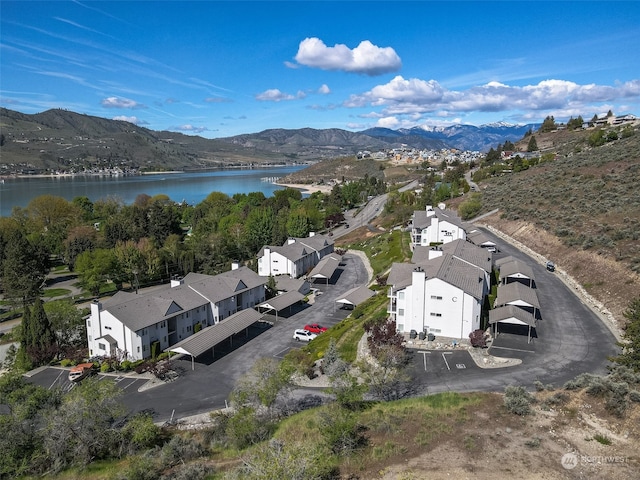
x: 571, y: 339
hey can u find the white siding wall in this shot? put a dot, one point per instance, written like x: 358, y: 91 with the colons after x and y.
x: 438, y: 307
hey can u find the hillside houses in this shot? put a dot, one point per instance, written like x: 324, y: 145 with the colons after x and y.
x: 135, y: 326
x: 295, y: 258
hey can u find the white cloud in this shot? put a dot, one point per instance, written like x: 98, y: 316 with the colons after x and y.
x: 119, y: 102
x: 274, y: 95
x: 324, y: 89
x: 415, y: 96
x: 366, y: 58
x: 190, y: 128
x: 388, y: 122
x: 134, y: 120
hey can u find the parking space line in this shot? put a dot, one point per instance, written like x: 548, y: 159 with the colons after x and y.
x: 424, y: 356
x: 514, y: 349
x: 281, y: 353
x: 132, y: 382
x: 56, y: 380
x: 445, y: 359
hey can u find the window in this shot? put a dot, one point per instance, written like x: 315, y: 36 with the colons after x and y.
x: 88, y: 323
x: 102, y: 346
x: 89, y: 337
x: 401, y: 312
x: 435, y: 330
x: 401, y: 327
x: 434, y: 314
x: 138, y: 349
x: 436, y: 297
x: 401, y: 295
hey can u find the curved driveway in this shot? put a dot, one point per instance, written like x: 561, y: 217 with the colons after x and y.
x: 571, y: 339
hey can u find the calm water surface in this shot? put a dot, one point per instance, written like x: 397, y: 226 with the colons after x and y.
x: 191, y: 187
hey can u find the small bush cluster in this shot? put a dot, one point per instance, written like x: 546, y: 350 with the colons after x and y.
x: 615, y: 388
x: 478, y: 339
x: 517, y: 400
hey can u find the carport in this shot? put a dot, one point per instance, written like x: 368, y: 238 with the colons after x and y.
x: 355, y: 296
x: 209, y: 337
x: 513, y: 315
x: 282, y: 301
x: 516, y: 271
x: 480, y: 239
x: 518, y: 295
x: 325, y: 268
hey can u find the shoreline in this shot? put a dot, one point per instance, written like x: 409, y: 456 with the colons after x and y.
x: 14, y: 176
x: 307, y: 188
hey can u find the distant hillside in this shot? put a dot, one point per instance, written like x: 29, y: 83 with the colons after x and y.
x: 462, y: 137
x: 60, y: 140
x: 581, y: 210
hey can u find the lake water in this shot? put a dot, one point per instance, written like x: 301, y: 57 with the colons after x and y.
x: 191, y: 187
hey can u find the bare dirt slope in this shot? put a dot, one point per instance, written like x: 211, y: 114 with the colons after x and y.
x: 561, y: 442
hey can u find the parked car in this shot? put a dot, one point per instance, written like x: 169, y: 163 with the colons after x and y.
x: 315, y: 328
x: 551, y: 266
x: 492, y: 249
x: 303, y: 335
x: 80, y: 371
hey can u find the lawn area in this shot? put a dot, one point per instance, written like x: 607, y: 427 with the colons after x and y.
x: 385, y: 249
x: 55, y: 292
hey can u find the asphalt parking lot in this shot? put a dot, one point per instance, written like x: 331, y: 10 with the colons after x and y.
x: 205, y: 384
x: 570, y: 339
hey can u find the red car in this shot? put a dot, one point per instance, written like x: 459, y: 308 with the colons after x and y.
x: 315, y: 328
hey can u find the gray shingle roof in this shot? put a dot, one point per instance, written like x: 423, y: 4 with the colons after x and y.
x: 517, y: 269
x: 326, y: 266
x: 141, y: 311
x: 516, y: 292
x: 447, y: 267
x: 459, y: 248
x: 356, y: 296
x: 282, y: 301
x: 508, y: 312
x: 226, y: 284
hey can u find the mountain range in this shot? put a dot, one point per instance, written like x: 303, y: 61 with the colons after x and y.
x: 64, y: 140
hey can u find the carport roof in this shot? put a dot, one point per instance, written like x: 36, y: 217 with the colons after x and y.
x: 514, y: 292
x: 282, y: 301
x: 326, y: 266
x: 511, y: 314
x: 517, y: 269
x: 209, y: 337
x: 356, y: 296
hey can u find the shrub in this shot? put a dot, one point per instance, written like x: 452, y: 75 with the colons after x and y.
x: 105, y: 367
x: 180, y: 449
x: 66, y: 362
x: 634, y: 396
x: 192, y: 471
x: 125, y: 365
x: 603, y: 439
x: 477, y: 339
x: 517, y: 400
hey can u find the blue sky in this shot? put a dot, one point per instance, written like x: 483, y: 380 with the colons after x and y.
x: 219, y: 69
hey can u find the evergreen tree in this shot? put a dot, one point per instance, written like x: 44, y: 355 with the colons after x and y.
x: 43, y: 336
x: 548, y: 125
x: 24, y: 268
x: 533, y: 144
